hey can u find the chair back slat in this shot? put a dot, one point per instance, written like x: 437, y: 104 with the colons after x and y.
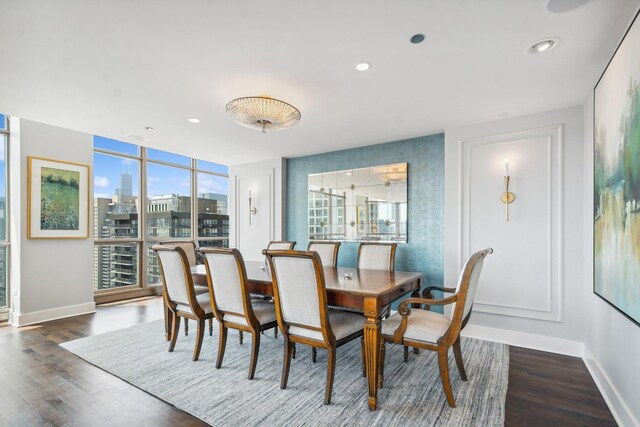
x: 468, y: 280
x: 377, y: 256
x: 281, y: 245
x: 225, y: 271
x: 188, y: 247
x: 174, y: 277
x: 328, y: 252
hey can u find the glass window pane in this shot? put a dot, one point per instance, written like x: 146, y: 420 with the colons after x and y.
x: 213, y: 243
x: 115, y: 266
x: 169, y: 201
x: 3, y: 188
x: 213, y: 167
x: 153, y: 267
x: 3, y: 121
x: 114, y: 145
x: 3, y: 276
x: 164, y: 156
x: 115, y: 197
x: 213, y: 193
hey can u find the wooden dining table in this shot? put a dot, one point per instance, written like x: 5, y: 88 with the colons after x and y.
x: 368, y: 291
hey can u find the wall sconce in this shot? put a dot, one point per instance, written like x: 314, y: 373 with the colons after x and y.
x: 507, y: 197
x: 252, y: 210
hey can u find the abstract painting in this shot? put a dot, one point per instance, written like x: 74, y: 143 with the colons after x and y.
x: 617, y: 179
x: 58, y: 199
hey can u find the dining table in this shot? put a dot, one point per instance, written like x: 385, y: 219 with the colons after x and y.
x: 362, y: 290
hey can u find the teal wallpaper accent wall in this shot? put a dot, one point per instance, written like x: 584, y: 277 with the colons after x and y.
x: 425, y: 155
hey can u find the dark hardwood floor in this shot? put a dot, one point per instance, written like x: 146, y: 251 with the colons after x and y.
x: 43, y: 384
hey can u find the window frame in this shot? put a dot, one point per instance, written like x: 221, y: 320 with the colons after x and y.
x: 143, y: 239
x: 6, y: 243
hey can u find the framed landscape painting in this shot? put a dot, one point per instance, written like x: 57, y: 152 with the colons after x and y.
x: 58, y: 199
x: 617, y: 179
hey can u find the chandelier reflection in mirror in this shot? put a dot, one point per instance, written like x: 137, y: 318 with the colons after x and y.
x: 366, y: 204
x: 263, y: 113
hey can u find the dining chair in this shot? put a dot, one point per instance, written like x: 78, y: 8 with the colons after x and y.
x: 232, y: 304
x: 281, y: 245
x: 377, y: 256
x: 422, y: 328
x: 190, y: 249
x: 179, y: 294
x: 328, y: 252
x: 303, y: 315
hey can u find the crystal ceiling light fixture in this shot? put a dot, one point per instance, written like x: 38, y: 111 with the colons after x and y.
x: 263, y: 113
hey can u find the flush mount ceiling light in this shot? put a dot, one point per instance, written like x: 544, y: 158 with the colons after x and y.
x: 544, y: 45
x: 193, y: 120
x: 263, y: 113
x: 363, y: 66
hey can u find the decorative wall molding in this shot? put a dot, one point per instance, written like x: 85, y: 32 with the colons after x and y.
x: 24, y: 319
x: 551, y: 310
x: 617, y: 405
x: 524, y: 339
x: 265, y: 204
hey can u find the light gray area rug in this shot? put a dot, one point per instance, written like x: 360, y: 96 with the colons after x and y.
x: 412, y: 394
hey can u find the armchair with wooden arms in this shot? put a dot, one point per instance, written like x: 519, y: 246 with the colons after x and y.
x: 420, y: 328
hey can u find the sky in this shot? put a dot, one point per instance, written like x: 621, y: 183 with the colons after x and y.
x: 161, y: 179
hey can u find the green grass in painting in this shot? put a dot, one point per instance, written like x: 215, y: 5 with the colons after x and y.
x: 60, y: 198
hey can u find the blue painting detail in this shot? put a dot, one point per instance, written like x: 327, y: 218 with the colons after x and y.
x: 425, y: 157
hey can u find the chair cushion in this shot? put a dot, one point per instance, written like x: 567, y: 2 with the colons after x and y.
x: 201, y: 290
x: 265, y: 312
x: 343, y: 323
x: 203, y: 300
x: 422, y: 325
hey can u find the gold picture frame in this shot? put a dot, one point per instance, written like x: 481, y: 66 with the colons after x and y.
x: 57, y: 199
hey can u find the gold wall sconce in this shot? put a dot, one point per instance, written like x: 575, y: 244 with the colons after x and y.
x: 507, y: 197
x: 252, y: 210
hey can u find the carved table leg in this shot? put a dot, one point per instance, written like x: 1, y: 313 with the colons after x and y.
x: 372, y: 336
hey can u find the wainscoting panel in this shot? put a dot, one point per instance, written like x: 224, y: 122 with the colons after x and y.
x: 523, y: 278
x: 252, y: 238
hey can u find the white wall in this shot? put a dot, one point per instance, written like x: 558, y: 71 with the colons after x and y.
x: 531, y: 289
x: 49, y: 278
x: 612, y: 342
x: 267, y: 182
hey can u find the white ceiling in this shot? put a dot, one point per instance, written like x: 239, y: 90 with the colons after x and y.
x: 113, y: 67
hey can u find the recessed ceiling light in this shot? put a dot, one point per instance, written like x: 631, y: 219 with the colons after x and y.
x: 544, y: 45
x: 149, y: 128
x: 135, y: 138
x: 363, y: 66
x: 193, y: 120
x: 417, y: 38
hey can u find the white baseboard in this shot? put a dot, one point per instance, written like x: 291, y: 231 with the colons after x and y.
x: 618, y: 407
x: 24, y: 319
x: 524, y: 339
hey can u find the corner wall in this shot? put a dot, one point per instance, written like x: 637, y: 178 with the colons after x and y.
x: 50, y: 279
x: 612, y: 342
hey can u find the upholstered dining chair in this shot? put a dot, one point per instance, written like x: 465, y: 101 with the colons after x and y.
x: 377, y: 256
x: 421, y: 328
x: 303, y: 314
x: 190, y: 249
x: 281, y: 245
x: 232, y: 303
x: 179, y: 293
x: 328, y: 252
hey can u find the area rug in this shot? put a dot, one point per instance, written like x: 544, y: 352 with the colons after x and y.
x: 412, y: 393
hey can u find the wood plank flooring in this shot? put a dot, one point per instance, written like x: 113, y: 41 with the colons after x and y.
x: 41, y: 384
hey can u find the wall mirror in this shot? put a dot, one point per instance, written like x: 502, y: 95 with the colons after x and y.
x: 366, y: 204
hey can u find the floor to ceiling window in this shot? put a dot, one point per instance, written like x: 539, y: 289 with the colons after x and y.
x: 4, y: 241
x: 143, y: 196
